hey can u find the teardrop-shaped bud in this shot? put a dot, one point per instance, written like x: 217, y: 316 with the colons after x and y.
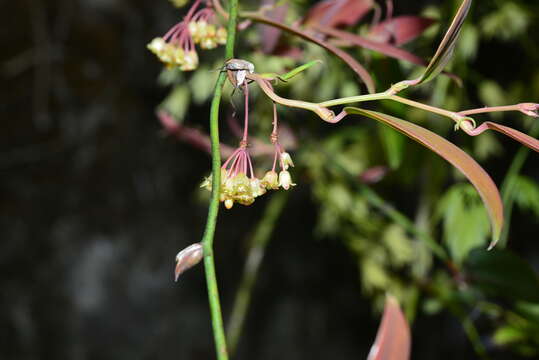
x: 286, y: 160
x: 270, y: 180
x: 187, y: 258
x: 229, y: 203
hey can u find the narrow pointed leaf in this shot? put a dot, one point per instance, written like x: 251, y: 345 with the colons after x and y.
x: 458, y: 158
x: 400, y: 30
x: 446, y: 47
x: 522, y: 138
x: 294, y: 72
x: 393, y: 340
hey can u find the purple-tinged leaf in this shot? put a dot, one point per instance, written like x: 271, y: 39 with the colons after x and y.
x: 386, y: 49
x: 393, y: 340
x: 400, y: 30
x: 344, y: 56
x: 445, y: 49
x: 453, y: 154
x: 269, y: 34
x: 522, y: 138
x: 338, y: 12
x: 380, y: 47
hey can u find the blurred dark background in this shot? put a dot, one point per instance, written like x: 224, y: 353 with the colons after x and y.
x: 96, y: 201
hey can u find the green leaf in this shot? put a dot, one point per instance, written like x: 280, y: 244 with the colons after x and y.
x: 393, y: 144
x: 289, y: 75
x: 501, y: 273
x: 465, y: 221
x: 445, y: 49
x: 526, y: 194
x: 457, y: 157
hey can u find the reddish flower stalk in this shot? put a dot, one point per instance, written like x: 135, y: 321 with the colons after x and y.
x: 529, y: 109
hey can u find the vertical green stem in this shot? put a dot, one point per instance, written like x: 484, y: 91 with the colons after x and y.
x: 213, y: 208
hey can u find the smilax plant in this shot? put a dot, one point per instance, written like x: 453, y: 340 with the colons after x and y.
x: 236, y: 181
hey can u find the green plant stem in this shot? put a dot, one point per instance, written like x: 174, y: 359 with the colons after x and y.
x: 258, y: 242
x: 213, y: 208
x: 321, y: 108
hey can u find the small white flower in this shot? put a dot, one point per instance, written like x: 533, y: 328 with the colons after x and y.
x: 285, y: 180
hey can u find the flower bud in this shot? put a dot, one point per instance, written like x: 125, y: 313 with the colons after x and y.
x: 187, y: 258
x: 529, y: 109
x: 257, y: 188
x: 157, y: 45
x: 229, y: 203
x: 270, y: 180
x: 286, y: 160
x: 285, y: 180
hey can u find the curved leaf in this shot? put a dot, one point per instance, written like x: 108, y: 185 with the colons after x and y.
x: 457, y: 157
x: 445, y: 49
x: 393, y: 340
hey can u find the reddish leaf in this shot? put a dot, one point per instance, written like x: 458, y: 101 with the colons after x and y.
x: 522, y: 138
x: 270, y: 34
x: 338, y: 12
x: 393, y: 340
x: 400, y: 30
x: 383, y: 48
x: 386, y: 49
x: 344, y: 56
x: 458, y: 158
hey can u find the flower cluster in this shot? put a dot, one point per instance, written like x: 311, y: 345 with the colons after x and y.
x: 238, y: 181
x: 239, y: 184
x: 177, y: 47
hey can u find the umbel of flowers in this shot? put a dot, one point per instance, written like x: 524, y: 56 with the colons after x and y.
x: 238, y: 180
x: 177, y: 47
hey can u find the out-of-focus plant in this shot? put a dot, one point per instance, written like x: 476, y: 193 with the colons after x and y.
x: 395, y: 252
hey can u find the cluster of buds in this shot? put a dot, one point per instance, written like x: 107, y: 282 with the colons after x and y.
x: 174, y: 55
x: 177, y: 47
x: 207, y: 35
x: 238, y: 181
